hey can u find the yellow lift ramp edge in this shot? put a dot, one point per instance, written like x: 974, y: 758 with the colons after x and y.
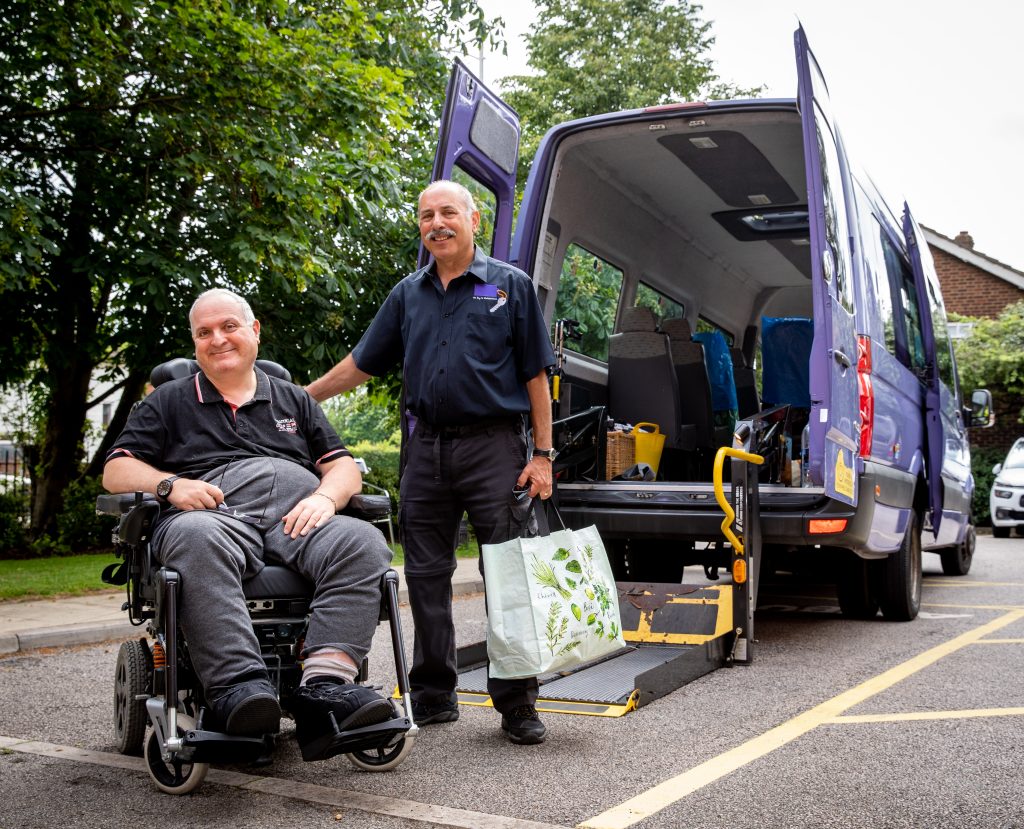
x: 675, y: 633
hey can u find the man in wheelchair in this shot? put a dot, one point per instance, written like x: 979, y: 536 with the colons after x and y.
x: 250, y: 472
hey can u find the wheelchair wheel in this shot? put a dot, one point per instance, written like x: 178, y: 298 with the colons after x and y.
x: 382, y: 759
x: 176, y: 777
x: 131, y: 683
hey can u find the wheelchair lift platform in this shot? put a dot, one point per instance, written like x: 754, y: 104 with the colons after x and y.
x: 675, y: 633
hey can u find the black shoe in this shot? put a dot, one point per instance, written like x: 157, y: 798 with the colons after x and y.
x: 441, y: 710
x: 523, y: 725
x: 326, y: 708
x: 248, y: 709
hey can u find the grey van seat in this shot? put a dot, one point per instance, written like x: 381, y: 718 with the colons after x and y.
x: 641, y: 378
x: 747, y: 399
x: 692, y: 380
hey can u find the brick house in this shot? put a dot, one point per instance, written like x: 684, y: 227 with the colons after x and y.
x: 978, y: 286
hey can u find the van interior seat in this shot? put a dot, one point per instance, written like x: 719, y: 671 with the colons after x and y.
x: 786, y: 361
x: 642, y: 383
x: 723, y: 384
x: 747, y: 400
x: 692, y: 380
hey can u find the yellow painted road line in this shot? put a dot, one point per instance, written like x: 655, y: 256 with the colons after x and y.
x: 947, y: 583
x: 928, y: 715
x: 1000, y: 642
x: 676, y: 788
x: 951, y: 606
x: 295, y: 789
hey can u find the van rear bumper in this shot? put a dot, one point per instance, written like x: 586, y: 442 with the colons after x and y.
x: 689, y: 512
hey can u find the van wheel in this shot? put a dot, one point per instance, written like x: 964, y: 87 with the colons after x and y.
x: 650, y: 561
x: 1001, y: 532
x: 956, y: 561
x: 900, y: 592
x: 855, y: 586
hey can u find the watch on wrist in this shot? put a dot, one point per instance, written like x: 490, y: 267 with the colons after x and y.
x: 545, y: 453
x: 163, y: 489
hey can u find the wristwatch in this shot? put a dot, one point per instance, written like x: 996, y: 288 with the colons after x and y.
x: 545, y: 453
x: 163, y: 489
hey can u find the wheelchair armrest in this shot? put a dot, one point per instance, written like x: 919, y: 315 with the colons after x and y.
x: 368, y: 507
x: 119, y: 503
x: 136, y: 512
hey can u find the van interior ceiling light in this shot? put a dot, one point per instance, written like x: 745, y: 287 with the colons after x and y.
x: 702, y: 142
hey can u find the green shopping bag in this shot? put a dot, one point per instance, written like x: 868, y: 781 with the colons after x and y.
x: 551, y: 603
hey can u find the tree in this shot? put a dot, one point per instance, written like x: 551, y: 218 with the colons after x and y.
x: 151, y: 149
x: 595, y: 56
x: 990, y: 358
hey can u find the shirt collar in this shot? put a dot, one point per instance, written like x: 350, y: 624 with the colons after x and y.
x: 206, y: 392
x: 477, y: 268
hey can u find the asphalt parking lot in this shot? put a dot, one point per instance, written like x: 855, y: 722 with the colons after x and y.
x: 837, y: 723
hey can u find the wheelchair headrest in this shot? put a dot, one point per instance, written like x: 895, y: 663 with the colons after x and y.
x: 181, y: 367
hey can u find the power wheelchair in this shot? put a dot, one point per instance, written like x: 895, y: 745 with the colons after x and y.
x: 155, y: 684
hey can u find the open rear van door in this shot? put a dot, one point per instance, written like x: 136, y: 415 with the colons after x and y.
x: 920, y: 258
x: 835, y: 409
x: 479, y: 136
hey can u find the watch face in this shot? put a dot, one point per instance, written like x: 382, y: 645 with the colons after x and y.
x: 163, y: 489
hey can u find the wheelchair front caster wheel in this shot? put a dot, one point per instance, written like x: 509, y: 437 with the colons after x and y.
x: 384, y: 758
x: 131, y: 684
x: 176, y: 777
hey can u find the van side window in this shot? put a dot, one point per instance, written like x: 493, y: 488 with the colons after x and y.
x: 706, y: 326
x: 486, y: 202
x: 837, y: 227
x: 663, y: 307
x: 908, y: 311
x: 943, y: 354
x: 588, y: 292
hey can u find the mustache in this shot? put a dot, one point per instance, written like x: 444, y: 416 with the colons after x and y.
x: 440, y: 233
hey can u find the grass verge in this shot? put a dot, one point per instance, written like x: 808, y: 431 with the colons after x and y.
x: 42, y: 578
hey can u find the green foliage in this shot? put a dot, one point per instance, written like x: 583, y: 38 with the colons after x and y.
x: 982, y: 461
x: 150, y: 150
x: 382, y: 459
x: 595, y: 56
x: 990, y: 358
x: 588, y: 292
x: 363, y: 416
x: 13, y: 521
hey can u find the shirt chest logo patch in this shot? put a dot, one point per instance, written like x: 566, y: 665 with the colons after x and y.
x: 286, y: 425
x: 484, y: 291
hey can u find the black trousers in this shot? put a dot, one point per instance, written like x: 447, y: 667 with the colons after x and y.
x: 448, y: 472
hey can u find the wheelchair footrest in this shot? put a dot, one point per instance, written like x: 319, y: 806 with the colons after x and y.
x: 378, y: 735
x: 218, y: 747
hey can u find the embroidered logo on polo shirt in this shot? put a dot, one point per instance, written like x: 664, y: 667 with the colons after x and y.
x: 287, y: 425
x: 484, y: 291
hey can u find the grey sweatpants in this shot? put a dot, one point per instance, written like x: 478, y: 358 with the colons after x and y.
x: 215, y: 552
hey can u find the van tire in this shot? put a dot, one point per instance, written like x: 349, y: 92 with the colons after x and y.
x: 647, y: 561
x: 956, y: 561
x: 899, y: 593
x: 1001, y: 532
x: 855, y: 586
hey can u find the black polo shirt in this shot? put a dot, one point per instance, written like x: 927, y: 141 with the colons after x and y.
x: 186, y: 427
x: 467, y: 352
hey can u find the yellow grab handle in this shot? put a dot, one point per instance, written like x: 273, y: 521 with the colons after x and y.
x: 655, y: 429
x: 723, y: 502
x: 555, y: 387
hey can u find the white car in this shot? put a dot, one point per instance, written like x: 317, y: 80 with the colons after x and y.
x: 1006, y: 502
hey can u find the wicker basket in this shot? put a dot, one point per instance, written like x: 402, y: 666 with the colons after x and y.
x: 620, y: 454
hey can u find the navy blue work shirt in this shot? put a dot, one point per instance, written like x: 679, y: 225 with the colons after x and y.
x: 467, y: 352
x: 186, y: 427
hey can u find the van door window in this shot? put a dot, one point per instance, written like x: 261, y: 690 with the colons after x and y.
x: 662, y: 307
x: 486, y: 202
x: 908, y: 314
x: 588, y: 292
x: 836, y: 224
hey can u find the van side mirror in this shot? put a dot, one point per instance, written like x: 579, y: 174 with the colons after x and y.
x: 982, y: 413
x: 997, y: 469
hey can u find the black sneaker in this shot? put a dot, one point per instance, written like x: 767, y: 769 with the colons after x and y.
x: 441, y: 710
x: 248, y: 709
x: 325, y: 708
x: 523, y: 725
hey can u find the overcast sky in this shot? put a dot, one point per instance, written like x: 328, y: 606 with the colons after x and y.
x: 928, y: 94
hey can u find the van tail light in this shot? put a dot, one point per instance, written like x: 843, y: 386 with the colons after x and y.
x: 824, y: 526
x: 867, y: 395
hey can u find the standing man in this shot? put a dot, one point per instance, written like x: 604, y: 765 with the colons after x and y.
x: 469, y: 333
